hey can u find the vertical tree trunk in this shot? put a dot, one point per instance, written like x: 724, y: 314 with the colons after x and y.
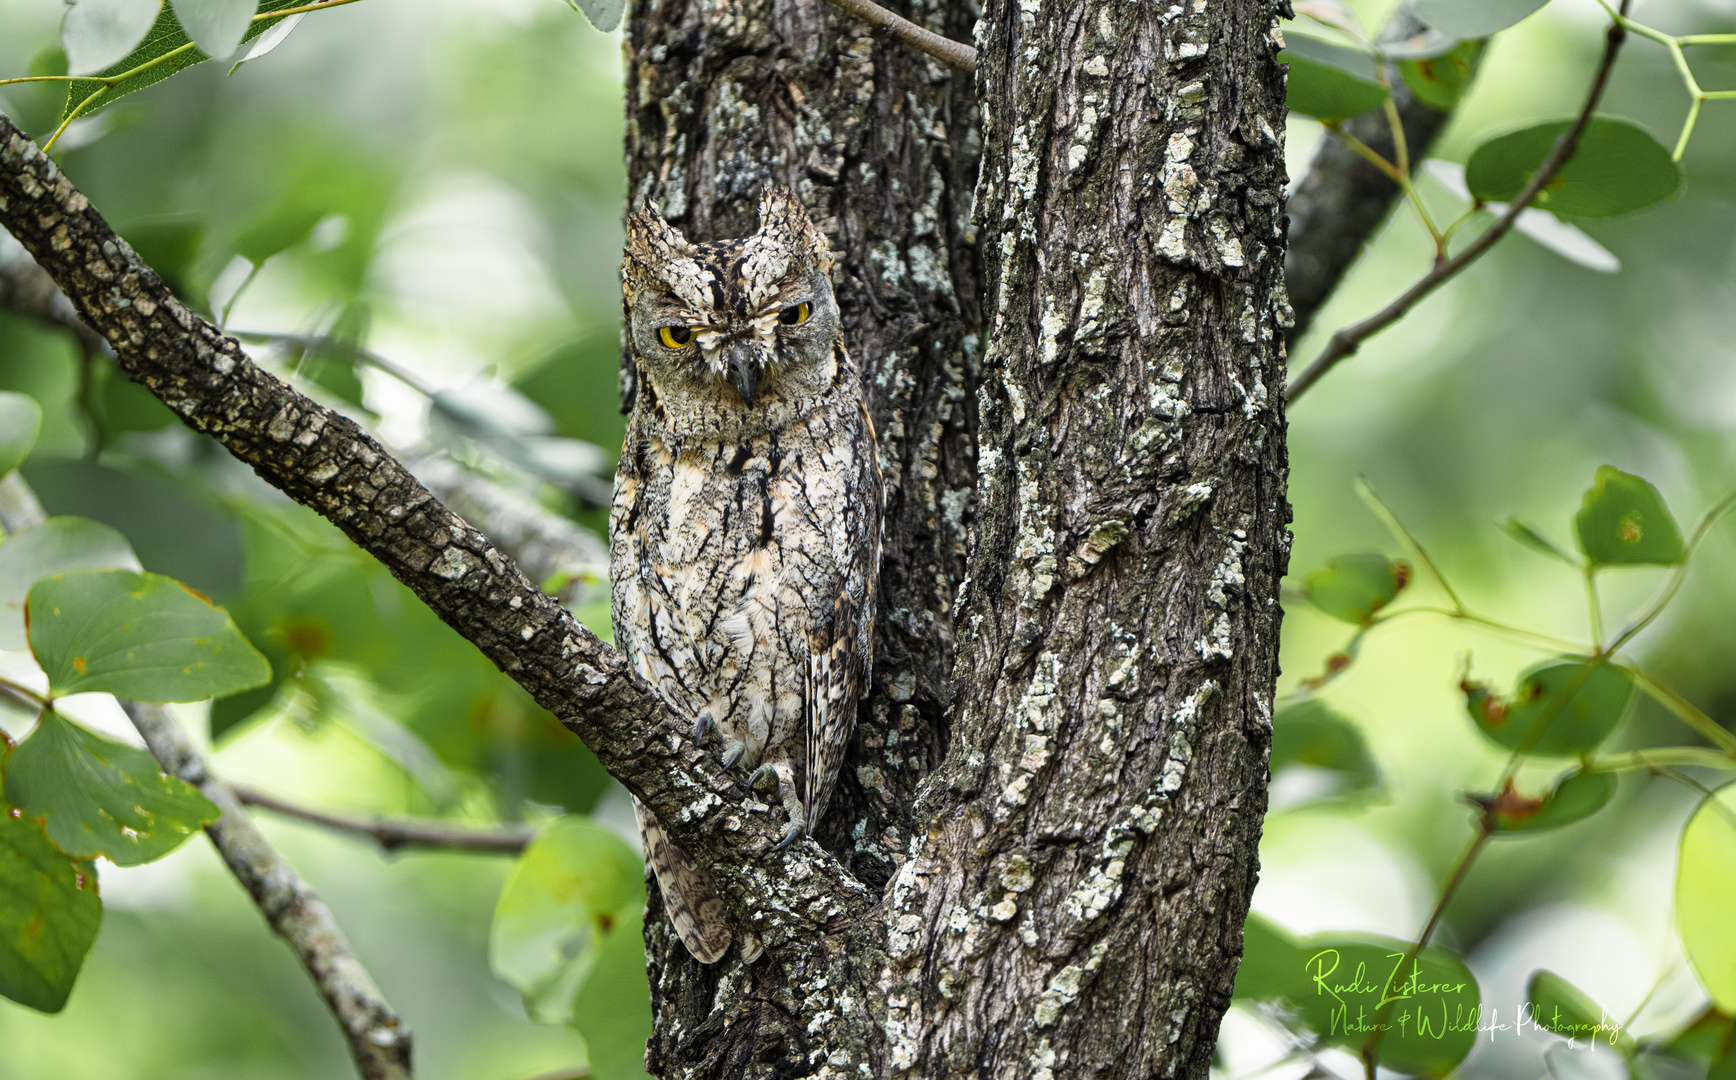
x: 881, y: 143
x: 1063, y: 897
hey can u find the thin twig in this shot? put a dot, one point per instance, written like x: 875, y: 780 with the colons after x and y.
x: 949, y: 52
x: 1346, y: 341
x: 379, y: 1040
x: 394, y: 833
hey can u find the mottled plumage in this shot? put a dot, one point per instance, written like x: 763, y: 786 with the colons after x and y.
x: 745, y: 531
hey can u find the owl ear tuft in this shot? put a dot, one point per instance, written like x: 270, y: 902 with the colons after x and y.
x: 784, y: 221
x: 652, y: 245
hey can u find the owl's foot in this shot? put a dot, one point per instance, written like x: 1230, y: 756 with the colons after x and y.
x: 795, y: 831
x: 702, y: 726
x: 760, y: 777
x: 733, y: 749
x: 798, y: 826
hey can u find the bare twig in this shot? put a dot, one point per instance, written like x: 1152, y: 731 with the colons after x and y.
x: 1346, y: 341
x: 394, y: 833
x: 949, y: 52
x: 379, y: 1040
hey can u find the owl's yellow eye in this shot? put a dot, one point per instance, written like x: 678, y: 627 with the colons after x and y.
x: 674, y: 337
x: 790, y: 316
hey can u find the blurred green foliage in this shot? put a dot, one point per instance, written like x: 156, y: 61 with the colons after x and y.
x: 444, y: 187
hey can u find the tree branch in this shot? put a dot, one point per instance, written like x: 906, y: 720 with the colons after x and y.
x: 949, y: 52
x: 379, y: 1040
x: 1347, y: 341
x: 325, y: 461
x: 1344, y: 197
x: 394, y: 833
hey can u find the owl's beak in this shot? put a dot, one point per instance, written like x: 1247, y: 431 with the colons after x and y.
x: 744, y: 361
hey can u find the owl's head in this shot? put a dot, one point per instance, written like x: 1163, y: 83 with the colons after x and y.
x: 733, y: 326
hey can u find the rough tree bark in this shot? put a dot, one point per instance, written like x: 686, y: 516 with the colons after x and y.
x: 1074, y: 875
x: 1040, y: 855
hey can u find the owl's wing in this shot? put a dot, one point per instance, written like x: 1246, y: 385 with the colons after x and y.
x: 841, y: 648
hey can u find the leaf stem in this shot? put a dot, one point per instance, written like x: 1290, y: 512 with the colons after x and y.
x: 1662, y: 756
x: 1685, y: 711
x: 1593, y: 606
x: 28, y: 696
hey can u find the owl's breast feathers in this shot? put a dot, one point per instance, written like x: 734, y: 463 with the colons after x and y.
x: 745, y: 576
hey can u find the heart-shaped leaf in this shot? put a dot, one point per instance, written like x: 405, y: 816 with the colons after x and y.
x: 101, y: 797
x: 20, y: 420
x: 1312, y: 736
x: 216, y: 26
x: 1705, y: 884
x: 605, y: 15
x: 1475, y: 18
x: 1355, y: 587
x: 138, y: 636
x: 574, y: 887
x: 1561, y: 707
x: 1617, y: 168
x: 1440, y: 81
x: 96, y: 33
x: 1622, y: 521
x: 1338, y: 984
x: 1554, y: 1004
x: 1578, y: 795
x: 49, y: 913
x: 51, y: 547
x: 1327, y: 81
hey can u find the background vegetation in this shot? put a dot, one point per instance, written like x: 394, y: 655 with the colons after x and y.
x: 442, y: 183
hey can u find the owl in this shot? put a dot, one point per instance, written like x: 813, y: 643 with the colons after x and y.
x: 744, y: 536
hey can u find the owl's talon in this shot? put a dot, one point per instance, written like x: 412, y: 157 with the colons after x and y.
x: 794, y: 832
x: 702, y: 726
x: 732, y: 752
x: 761, y: 775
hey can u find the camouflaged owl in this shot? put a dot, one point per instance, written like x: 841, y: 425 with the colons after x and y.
x: 745, y: 531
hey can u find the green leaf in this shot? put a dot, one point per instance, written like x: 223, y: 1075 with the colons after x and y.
x: 49, y: 912
x: 1576, y: 796
x: 216, y: 26
x: 575, y: 888
x: 20, y: 420
x: 1618, y: 168
x: 165, y: 41
x: 1336, y: 984
x: 96, y: 33
x: 605, y: 15
x: 56, y: 545
x: 612, y: 1010
x: 1327, y: 81
x: 1536, y: 541
x: 138, y: 636
x: 101, y: 797
x: 1557, y: 1005
x: 1623, y: 521
x: 1705, y: 884
x: 1567, y: 725
x: 1474, y: 18
x: 1270, y: 961
x: 1311, y: 734
x: 1440, y: 82
x: 1354, y: 587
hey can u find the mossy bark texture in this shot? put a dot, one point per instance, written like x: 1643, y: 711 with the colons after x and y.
x: 1054, y: 795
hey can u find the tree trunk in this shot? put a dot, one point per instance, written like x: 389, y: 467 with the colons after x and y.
x: 1055, y: 790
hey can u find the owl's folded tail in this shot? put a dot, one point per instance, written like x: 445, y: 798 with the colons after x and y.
x: 694, y: 906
